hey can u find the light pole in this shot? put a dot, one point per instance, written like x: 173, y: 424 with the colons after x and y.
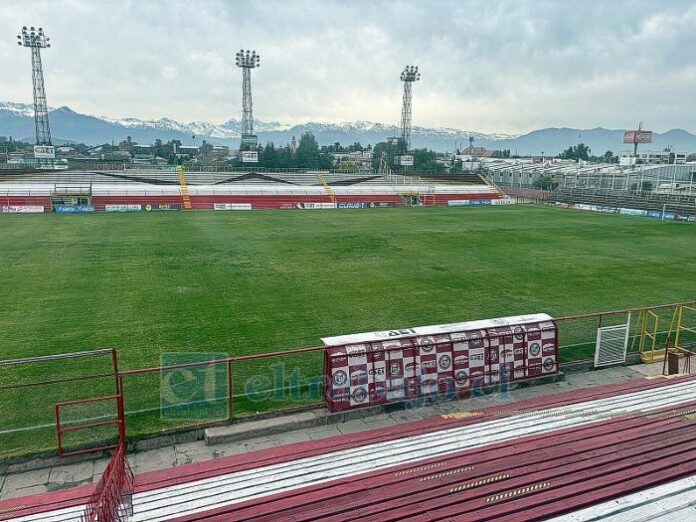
x: 36, y: 40
x: 247, y: 60
x: 409, y: 75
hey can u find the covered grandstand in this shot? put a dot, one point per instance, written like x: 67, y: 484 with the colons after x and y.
x: 108, y: 189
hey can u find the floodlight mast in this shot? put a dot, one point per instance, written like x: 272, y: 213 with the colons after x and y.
x: 247, y: 60
x: 36, y: 40
x: 409, y: 75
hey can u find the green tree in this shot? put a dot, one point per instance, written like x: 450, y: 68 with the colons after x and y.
x: 307, y: 156
x: 545, y: 182
x: 577, y: 152
x: 347, y: 165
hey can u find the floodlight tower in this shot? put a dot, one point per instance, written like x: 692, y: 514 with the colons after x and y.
x: 36, y: 40
x: 247, y: 60
x: 409, y: 75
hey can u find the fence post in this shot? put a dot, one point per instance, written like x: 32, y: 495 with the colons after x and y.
x: 121, y: 413
x: 230, y: 395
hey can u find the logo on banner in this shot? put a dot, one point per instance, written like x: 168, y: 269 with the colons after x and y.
x: 340, y: 377
x: 461, y: 377
x: 395, y: 369
x: 549, y: 364
x: 461, y: 359
x: 359, y: 394
x: 475, y: 339
x: 492, y: 356
x: 444, y: 362
x: 535, y: 350
x: 427, y: 344
x: 519, y: 333
x: 358, y: 376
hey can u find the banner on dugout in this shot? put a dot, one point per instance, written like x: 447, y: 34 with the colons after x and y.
x: 406, y: 364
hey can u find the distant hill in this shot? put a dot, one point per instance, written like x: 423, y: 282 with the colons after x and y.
x: 16, y: 120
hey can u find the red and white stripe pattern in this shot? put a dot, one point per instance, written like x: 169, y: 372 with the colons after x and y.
x: 533, y: 460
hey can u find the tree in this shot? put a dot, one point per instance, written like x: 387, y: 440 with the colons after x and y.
x: 577, y: 152
x: 609, y: 157
x: 425, y: 160
x: 545, y: 182
x: 205, y: 149
x: 307, y: 155
x: 388, y: 150
x: 347, y: 165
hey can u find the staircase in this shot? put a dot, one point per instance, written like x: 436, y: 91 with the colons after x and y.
x: 327, y: 188
x: 184, y: 189
x: 492, y: 185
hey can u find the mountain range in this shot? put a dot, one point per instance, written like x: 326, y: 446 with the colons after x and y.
x: 17, y: 120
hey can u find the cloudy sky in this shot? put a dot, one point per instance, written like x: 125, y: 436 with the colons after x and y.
x: 490, y: 66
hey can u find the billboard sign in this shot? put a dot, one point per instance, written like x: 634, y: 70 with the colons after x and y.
x: 249, y: 141
x: 44, y: 151
x: 250, y: 156
x: 407, y: 161
x: 638, y: 136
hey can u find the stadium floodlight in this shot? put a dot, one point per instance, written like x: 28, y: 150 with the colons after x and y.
x: 247, y: 60
x: 37, y: 40
x: 409, y: 75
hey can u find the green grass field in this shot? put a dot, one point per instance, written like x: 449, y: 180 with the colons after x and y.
x: 240, y: 283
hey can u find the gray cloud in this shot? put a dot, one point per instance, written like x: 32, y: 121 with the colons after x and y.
x: 486, y: 65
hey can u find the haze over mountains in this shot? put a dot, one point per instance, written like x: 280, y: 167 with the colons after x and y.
x: 17, y: 120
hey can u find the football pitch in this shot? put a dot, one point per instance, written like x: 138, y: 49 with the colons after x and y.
x: 238, y: 283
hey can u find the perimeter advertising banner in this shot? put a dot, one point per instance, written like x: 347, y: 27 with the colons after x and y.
x: 73, y: 209
x: 232, y: 206
x: 364, y: 204
x: 21, y: 209
x: 468, y: 202
x: 315, y: 206
x: 123, y: 208
x: 163, y: 207
x: 449, y: 359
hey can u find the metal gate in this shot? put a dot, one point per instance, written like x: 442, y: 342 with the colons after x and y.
x: 612, y: 343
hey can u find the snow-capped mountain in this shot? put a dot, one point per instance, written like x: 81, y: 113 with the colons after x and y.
x: 17, y: 120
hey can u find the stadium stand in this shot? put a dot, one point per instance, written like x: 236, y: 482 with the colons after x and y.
x: 259, y: 189
x: 684, y: 204
x: 609, y: 450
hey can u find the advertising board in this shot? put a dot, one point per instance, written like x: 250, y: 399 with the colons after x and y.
x: 44, y: 151
x: 468, y: 202
x: 162, y: 207
x: 406, y: 160
x: 73, y: 209
x: 21, y: 209
x: 315, y: 206
x: 232, y: 206
x: 122, y: 208
x: 637, y: 136
x: 250, y: 156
